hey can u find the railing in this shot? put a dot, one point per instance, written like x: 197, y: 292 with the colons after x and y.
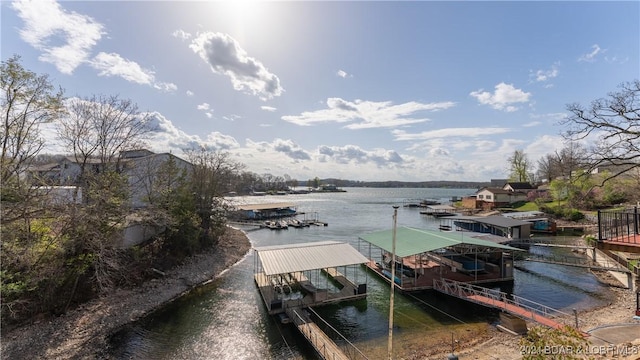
x: 465, y: 291
x: 323, y: 345
x: 604, y: 264
x: 618, y: 225
x: 354, y: 352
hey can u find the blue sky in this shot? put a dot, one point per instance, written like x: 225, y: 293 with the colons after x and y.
x: 406, y: 91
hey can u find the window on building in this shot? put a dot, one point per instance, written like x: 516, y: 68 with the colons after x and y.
x: 488, y: 197
x: 480, y: 196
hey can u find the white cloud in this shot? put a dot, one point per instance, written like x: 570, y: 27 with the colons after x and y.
x: 546, y: 75
x: 343, y: 74
x: 353, y: 154
x: 591, y: 57
x: 189, y: 93
x: 402, y: 135
x: 232, y: 117
x: 366, y: 114
x: 268, y: 108
x: 532, y: 124
x: 112, y: 64
x: 204, y: 106
x: 181, y: 34
x: 289, y: 148
x: 167, y: 137
x: 225, y: 56
x: 65, y: 38
x: 616, y: 59
x: 502, y: 99
x: 543, y: 145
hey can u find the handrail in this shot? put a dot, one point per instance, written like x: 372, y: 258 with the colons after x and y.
x: 319, y: 344
x: 463, y: 290
x: 337, y: 332
x: 609, y: 265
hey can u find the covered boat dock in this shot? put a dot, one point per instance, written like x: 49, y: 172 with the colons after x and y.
x: 423, y: 256
x: 308, y: 274
x: 495, y: 224
x: 265, y: 211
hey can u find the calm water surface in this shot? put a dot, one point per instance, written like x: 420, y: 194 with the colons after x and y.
x: 227, y: 319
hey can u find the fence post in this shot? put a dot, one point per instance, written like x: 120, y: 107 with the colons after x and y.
x: 635, y: 220
x: 599, y: 226
x: 575, y: 313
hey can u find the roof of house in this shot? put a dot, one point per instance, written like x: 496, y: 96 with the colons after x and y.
x: 498, y: 191
x: 520, y: 185
x: 282, y: 259
x: 412, y: 241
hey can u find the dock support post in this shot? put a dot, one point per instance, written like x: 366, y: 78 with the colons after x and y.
x: 575, y: 314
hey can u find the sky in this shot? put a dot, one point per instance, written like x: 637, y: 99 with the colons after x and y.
x: 370, y: 91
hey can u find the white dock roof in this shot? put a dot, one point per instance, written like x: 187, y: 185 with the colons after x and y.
x: 266, y: 206
x: 281, y: 259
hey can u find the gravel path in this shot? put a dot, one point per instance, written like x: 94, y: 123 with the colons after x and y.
x: 83, y: 332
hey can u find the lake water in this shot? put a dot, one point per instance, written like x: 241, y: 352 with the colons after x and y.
x: 228, y: 320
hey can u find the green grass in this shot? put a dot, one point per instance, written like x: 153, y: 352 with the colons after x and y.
x: 528, y: 206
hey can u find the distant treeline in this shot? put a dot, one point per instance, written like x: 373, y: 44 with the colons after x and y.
x: 402, y: 184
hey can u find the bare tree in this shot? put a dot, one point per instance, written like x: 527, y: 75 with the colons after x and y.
x: 100, y: 129
x: 211, y: 179
x: 519, y: 166
x: 562, y: 163
x: 27, y: 101
x: 96, y: 132
x: 615, y: 121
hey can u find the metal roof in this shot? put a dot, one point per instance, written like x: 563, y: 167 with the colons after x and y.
x: 524, y: 214
x: 441, y: 207
x: 412, y: 241
x: 493, y: 220
x: 265, y: 206
x: 281, y: 259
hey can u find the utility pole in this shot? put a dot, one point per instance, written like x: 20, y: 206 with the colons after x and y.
x: 393, y: 280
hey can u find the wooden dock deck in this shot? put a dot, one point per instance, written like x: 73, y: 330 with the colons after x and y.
x: 518, y: 306
x: 326, y: 348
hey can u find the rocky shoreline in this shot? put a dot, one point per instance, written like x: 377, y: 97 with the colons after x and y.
x: 82, y: 333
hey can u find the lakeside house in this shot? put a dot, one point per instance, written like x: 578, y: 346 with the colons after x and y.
x: 142, y: 168
x: 489, y: 198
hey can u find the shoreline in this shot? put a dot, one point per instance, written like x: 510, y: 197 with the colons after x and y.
x: 84, y: 331
x: 620, y: 311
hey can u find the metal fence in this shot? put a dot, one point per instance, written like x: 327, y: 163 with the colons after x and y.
x: 618, y: 225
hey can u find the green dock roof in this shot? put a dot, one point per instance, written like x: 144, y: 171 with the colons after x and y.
x: 412, y: 241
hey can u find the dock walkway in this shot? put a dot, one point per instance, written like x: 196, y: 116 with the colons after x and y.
x: 512, y: 304
x: 325, y: 347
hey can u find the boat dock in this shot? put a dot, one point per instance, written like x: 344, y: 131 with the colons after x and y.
x: 425, y: 255
x: 294, y: 277
x: 439, y: 210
